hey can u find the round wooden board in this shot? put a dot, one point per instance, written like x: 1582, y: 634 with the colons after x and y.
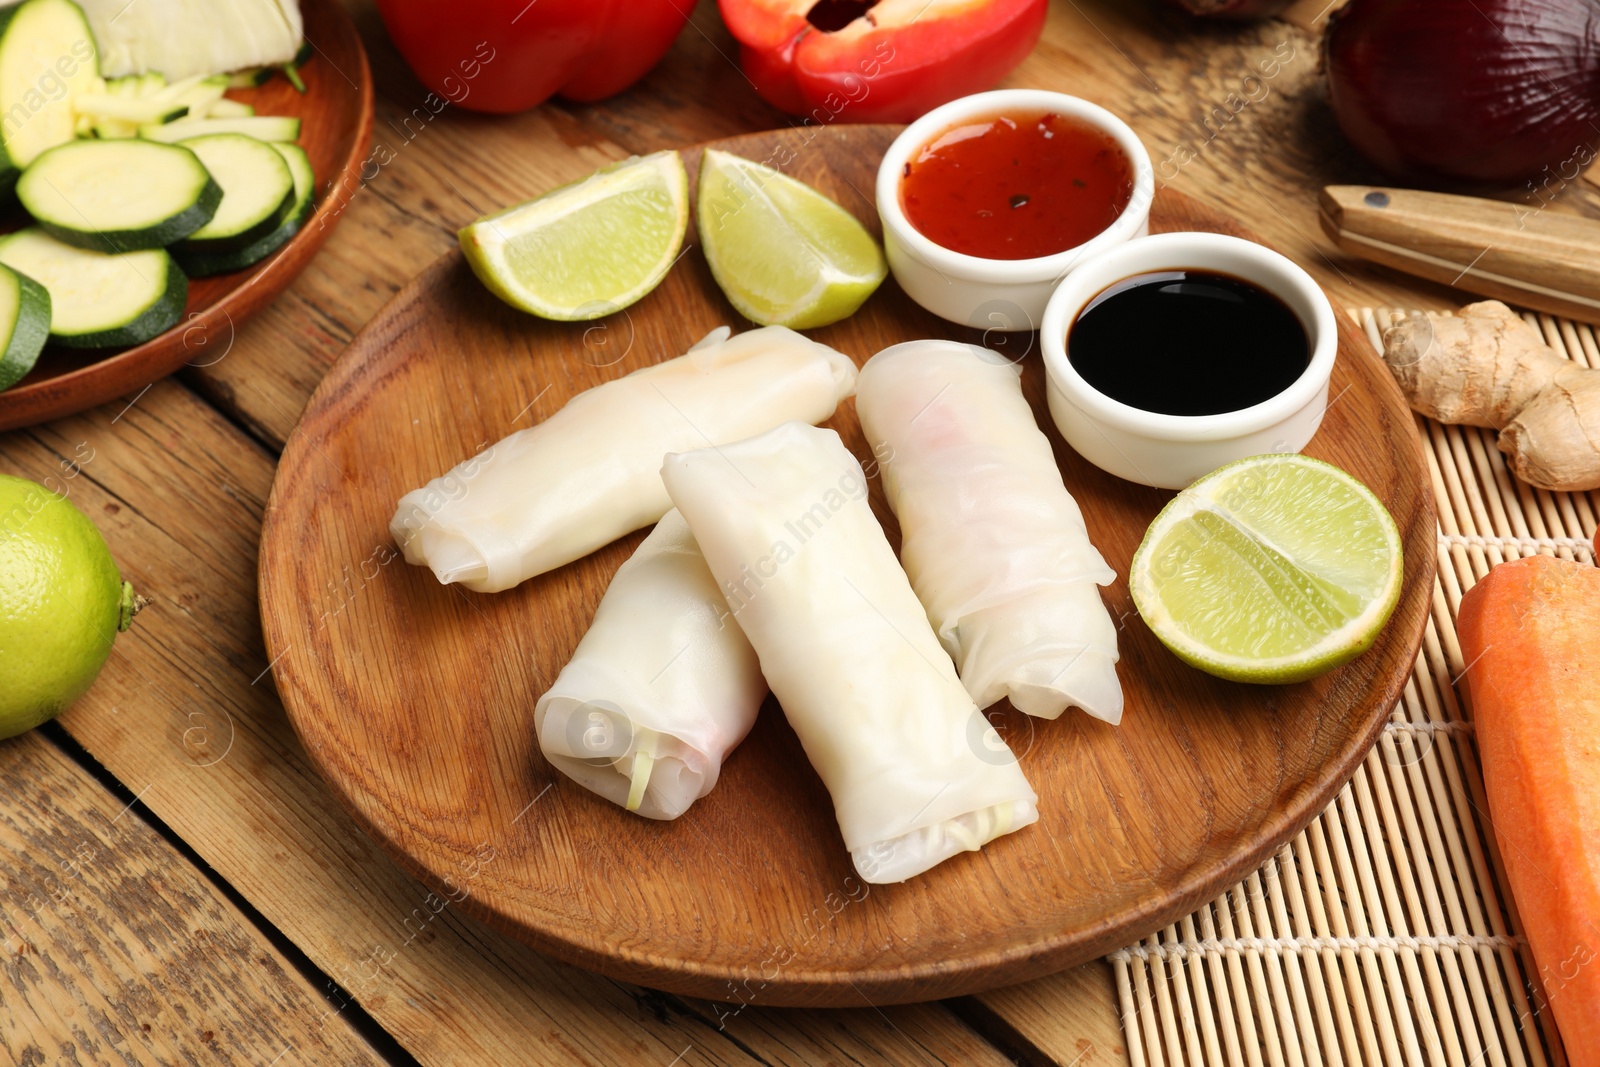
x: 415, y: 700
x: 336, y: 125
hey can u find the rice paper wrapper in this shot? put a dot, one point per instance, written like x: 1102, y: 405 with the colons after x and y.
x: 994, y: 544
x: 915, y: 771
x: 663, y: 670
x: 590, y: 473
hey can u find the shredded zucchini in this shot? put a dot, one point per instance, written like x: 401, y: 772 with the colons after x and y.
x: 643, y: 760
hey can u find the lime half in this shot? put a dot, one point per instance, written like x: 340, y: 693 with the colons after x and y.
x: 587, y: 249
x: 784, y: 254
x: 62, y: 604
x: 1271, y: 569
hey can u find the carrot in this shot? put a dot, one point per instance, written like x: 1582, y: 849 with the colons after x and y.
x: 1530, y: 634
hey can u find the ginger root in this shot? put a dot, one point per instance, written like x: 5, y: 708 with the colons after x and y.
x: 1488, y: 367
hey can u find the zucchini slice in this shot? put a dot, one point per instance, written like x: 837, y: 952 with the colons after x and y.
x: 128, y: 109
x: 205, y: 264
x: 228, y: 108
x: 47, y: 57
x: 99, y: 300
x: 200, y: 98
x: 24, y: 324
x: 261, y: 127
x: 175, y: 90
x: 119, y: 196
x: 250, y: 77
x: 257, y: 191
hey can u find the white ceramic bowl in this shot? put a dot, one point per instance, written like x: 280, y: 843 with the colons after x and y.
x: 1006, y: 294
x: 1171, y: 451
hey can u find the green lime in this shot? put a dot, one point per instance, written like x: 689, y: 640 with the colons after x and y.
x: 784, y: 254
x: 62, y: 603
x: 1271, y: 569
x: 587, y: 249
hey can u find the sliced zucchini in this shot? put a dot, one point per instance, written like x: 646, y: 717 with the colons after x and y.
x: 130, y: 87
x: 119, y: 196
x: 24, y: 323
x: 230, y: 109
x: 249, y: 79
x: 174, y: 90
x: 305, y: 182
x: 148, y: 111
x: 261, y: 127
x: 205, y: 264
x: 147, y: 99
x: 115, y: 130
x: 257, y: 191
x: 47, y: 57
x: 200, y: 96
x: 99, y: 300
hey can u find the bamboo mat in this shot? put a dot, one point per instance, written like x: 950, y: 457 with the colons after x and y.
x: 1383, y: 933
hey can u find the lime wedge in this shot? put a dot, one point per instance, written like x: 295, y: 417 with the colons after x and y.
x: 1271, y: 569
x: 784, y: 254
x: 587, y: 249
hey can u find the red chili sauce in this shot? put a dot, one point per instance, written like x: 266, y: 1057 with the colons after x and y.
x: 1016, y: 186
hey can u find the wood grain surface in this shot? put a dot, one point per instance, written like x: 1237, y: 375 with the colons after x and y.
x: 262, y: 819
x: 336, y: 126
x: 114, y: 949
x: 415, y: 700
x: 185, y: 716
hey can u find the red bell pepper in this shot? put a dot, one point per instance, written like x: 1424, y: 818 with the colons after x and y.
x: 510, y: 55
x: 884, y: 61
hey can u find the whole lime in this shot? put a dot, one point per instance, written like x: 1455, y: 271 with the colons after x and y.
x: 62, y: 603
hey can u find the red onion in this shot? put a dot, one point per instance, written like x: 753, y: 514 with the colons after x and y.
x: 1495, y: 92
x: 1233, y: 9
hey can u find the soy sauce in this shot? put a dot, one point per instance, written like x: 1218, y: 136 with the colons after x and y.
x: 1188, y: 342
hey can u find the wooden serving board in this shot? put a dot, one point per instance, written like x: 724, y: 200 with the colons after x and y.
x: 416, y: 700
x: 335, y: 128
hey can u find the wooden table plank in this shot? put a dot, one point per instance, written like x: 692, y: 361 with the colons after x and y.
x: 1259, y: 148
x: 1235, y: 115
x: 1070, y: 1018
x: 185, y: 717
x: 434, y: 180
x: 114, y: 949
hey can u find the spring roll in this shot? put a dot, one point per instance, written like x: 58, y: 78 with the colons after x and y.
x: 662, y: 687
x: 994, y: 544
x: 555, y: 492
x: 915, y: 771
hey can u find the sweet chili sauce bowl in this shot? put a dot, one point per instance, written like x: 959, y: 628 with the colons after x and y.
x: 1172, y: 451
x: 1005, y: 294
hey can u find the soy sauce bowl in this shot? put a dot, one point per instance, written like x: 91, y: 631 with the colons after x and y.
x: 1172, y: 451
x: 1004, y: 294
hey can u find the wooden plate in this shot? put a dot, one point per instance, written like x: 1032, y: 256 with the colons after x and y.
x: 415, y: 700
x: 336, y: 114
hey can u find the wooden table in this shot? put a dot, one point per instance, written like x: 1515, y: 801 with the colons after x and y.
x: 180, y: 887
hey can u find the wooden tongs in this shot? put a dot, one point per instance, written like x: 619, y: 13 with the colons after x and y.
x: 1519, y: 254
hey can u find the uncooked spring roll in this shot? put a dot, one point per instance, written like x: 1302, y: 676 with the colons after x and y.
x: 995, y: 546
x: 662, y: 687
x: 555, y: 492
x: 915, y: 771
